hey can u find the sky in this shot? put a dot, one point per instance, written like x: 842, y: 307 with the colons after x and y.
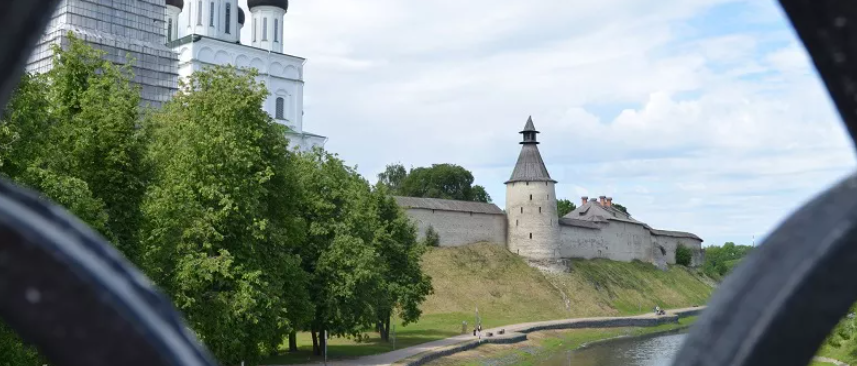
x: 697, y: 115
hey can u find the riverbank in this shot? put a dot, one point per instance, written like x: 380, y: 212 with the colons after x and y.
x: 543, y: 344
x: 599, y: 328
x: 506, y: 290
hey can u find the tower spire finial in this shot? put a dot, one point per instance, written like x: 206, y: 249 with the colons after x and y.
x: 529, y: 132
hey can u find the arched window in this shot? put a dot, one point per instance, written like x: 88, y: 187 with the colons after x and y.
x: 199, y: 12
x: 264, y: 29
x: 281, y: 104
x: 169, y: 29
x: 276, y: 32
x: 228, y: 17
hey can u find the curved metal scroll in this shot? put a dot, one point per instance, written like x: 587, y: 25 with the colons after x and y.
x: 781, y: 303
x: 62, y: 287
x: 66, y: 290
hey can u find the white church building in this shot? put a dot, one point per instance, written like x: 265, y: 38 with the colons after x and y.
x: 171, y: 39
x: 208, y: 32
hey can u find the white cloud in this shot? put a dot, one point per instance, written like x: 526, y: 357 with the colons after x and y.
x: 720, y: 130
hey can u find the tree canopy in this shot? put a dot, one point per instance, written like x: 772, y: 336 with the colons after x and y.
x: 719, y: 260
x: 252, y: 242
x: 447, y: 181
x: 564, y: 206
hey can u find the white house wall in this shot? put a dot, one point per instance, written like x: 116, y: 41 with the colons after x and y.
x: 282, y: 74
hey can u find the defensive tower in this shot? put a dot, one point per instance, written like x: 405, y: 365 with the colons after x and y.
x: 531, y: 203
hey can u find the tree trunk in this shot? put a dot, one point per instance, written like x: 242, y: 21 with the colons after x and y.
x: 315, y: 348
x: 387, y: 328
x: 293, y: 341
x: 322, y: 343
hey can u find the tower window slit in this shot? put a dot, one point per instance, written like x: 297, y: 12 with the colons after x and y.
x: 531, y: 235
x: 516, y: 222
x: 540, y: 210
x: 531, y: 197
x: 522, y: 209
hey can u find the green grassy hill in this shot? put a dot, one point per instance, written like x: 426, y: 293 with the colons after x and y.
x: 507, y: 291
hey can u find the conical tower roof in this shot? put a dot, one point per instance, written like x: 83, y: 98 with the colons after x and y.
x: 530, y: 166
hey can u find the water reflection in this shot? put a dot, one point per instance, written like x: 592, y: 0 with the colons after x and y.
x: 648, y: 351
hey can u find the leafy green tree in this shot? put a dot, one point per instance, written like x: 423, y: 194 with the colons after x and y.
x: 621, y: 208
x: 393, y: 177
x: 683, y: 255
x: 564, y: 206
x: 446, y: 181
x: 432, y: 238
x: 71, y: 135
x: 14, y: 352
x: 479, y: 194
x: 405, y: 284
x: 97, y: 138
x: 221, y: 222
x: 339, y: 254
x: 719, y: 260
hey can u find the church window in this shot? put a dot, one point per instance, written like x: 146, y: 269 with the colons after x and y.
x: 228, y: 17
x: 276, y: 30
x: 170, y: 30
x: 280, y: 106
x: 199, y: 12
x: 254, y: 29
x: 264, y: 29
x: 211, y: 14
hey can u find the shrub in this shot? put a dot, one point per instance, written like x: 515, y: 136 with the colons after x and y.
x: 432, y: 238
x: 683, y: 255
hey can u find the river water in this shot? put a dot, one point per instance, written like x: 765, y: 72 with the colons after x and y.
x: 644, y: 351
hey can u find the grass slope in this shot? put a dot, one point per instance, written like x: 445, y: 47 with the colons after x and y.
x: 507, y: 291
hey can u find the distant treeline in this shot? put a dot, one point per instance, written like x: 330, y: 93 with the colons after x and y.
x: 719, y: 260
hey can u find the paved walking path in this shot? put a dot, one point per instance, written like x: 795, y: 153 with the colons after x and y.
x: 385, y: 359
x: 830, y: 360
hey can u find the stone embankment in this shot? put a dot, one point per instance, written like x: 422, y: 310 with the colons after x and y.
x: 518, y: 333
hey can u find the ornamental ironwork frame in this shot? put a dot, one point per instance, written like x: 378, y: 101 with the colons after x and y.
x: 66, y: 290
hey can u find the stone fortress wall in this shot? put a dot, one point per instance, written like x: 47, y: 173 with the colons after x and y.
x: 456, y: 222
x: 531, y: 228
x: 485, y: 222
